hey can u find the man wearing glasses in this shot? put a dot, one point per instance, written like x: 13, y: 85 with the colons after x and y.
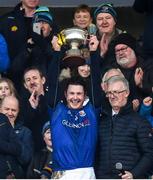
x: 131, y: 64
x: 125, y: 147
x: 125, y: 50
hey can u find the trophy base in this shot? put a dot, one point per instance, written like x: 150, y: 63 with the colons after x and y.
x: 72, y: 61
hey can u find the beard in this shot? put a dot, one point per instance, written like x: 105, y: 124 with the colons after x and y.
x: 126, y: 62
x: 123, y: 61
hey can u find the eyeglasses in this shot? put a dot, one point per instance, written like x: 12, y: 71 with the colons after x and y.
x: 123, y: 49
x: 114, y: 93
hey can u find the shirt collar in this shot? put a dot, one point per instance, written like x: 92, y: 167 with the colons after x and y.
x: 114, y: 113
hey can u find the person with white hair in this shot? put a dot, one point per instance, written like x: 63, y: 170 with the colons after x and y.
x: 124, y: 139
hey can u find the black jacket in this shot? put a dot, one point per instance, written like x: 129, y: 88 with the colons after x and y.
x: 34, y: 119
x: 10, y: 150
x: 39, y: 161
x: 15, y: 30
x: 38, y: 55
x: 26, y: 141
x: 127, y: 139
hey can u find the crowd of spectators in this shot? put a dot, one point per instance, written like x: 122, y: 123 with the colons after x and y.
x: 85, y: 121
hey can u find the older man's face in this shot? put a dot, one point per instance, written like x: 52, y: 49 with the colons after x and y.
x: 125, y: 56
x: 117, y: 95
x: 10, y: 107
x: 105, y: 23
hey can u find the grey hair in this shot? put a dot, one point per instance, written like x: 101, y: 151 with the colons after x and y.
x: 64, y: 74
x: 104, y: 79
x: 115, y: 79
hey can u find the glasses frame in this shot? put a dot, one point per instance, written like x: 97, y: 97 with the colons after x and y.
x: 123, y: 49
x: 114, y: 93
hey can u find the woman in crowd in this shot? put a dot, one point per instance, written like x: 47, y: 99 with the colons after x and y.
x: 6, y: 88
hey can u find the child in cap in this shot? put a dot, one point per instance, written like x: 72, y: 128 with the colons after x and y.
x: 41, y: 162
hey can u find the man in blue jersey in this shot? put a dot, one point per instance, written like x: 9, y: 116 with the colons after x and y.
x: 74, y: 134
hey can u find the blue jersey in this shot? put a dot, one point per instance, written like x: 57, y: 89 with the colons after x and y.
x: 74, y: 135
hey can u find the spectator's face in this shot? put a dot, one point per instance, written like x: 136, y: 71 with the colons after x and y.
x: 33, y: 81
x: 45, y: 28
x: 32, y: 4
x: 105, y: 23
x: 117, y: 95
x: 10, y: 107
x: 84, y: 70
x: 75, y: 96
x: 4, y: 90
x: 82, y: 19
x: 47, y: 138
x: 125, y: 56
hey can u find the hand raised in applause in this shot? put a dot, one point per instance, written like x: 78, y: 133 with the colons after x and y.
x: 104, y: 44
x: 138, y: 77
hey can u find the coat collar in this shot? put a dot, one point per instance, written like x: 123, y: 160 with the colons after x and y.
x: 128, y: 108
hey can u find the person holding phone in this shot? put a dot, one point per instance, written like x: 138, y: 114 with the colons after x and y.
x: 38, y: 50
x: 39, y: 45
x: 42, y: 21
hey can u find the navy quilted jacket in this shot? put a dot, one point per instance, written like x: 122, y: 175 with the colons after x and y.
x: 127, y: 139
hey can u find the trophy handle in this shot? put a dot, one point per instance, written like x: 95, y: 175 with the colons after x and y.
x: 86, y: 37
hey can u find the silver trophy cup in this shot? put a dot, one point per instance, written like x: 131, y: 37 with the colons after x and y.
x: 74, y: 38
